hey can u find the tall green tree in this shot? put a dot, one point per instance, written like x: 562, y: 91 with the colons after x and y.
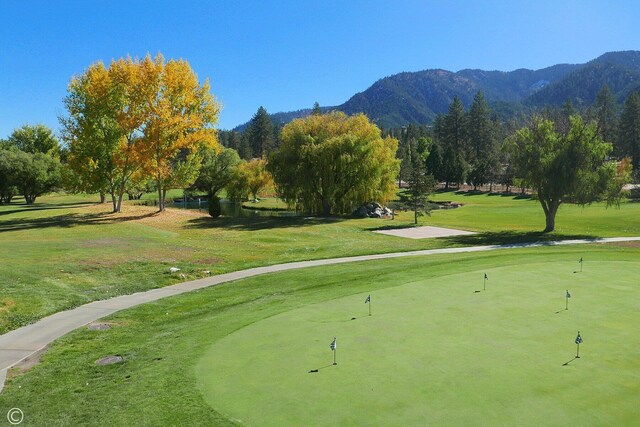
x: 36, y: 174
x: 217, y: 171
x: 331, y: 163
x: 35, y: 139
x: 572, y: 165
x: 9, y: 167
x: 452, y: 132
x: 606, y: 113
x: 484, y: 147
x: 419, y: 186
x: 260, y: 134
x: 629, y: 129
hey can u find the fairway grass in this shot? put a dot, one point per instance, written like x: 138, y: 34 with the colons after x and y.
x: 65, y: 250
x: 434, y: 352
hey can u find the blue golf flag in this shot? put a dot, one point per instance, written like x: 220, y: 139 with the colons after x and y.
x: 578, y: 339
x: 333, y: 345
x: 368, y: 299
x: 568, y: 294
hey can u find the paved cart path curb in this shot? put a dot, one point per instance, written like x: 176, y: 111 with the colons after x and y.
x: 20, y: 343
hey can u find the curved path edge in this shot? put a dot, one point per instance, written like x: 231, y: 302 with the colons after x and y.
x: 23, y: 342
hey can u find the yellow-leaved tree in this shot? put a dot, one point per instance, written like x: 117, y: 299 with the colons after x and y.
x: 331, y: 163
x: 178, y: 125
x: 138, y: 119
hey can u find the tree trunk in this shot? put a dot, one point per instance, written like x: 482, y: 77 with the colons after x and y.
x: 326, y: 208
x: 120, y: 197
x: 115, y: 202
x: 550, y: 210
x: 103, y: 197
x: 160, y: 200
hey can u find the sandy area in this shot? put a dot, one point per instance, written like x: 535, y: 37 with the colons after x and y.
x: 427, y: 232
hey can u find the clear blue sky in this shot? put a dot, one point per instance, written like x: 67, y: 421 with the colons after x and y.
x: 286, y: 55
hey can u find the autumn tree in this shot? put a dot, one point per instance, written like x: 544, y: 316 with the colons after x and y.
x: 179, y: 115
x: 103, y: 128
x: 331, y: 163
x: 258, y: 178
x: 572, y: 165
x: 135, y: 119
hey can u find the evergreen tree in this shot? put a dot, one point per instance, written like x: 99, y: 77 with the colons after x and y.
x: 452, y: 132
x: 260, y: 134
x: 629, y: 130
x: 606, y: 114
x: 483, y: 156
x: 419, y: 186
x: 316, y: 109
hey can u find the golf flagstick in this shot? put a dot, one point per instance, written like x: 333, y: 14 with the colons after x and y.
x: 333, y: 347
x: 368, y: 301
x: 567, y: 296
x: 578, y: 341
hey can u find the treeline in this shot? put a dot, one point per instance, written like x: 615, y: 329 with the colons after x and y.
x: 472, y: 146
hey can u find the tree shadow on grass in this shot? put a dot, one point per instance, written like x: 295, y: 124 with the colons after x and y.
x: 510, y: 237
x: 67, y: 221
x: 22, y: 207
x: 260, y: 222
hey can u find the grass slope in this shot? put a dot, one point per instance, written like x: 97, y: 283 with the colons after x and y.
x: 492, y: 357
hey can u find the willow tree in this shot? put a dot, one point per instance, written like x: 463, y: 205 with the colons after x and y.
x: 331, y: 163
x: 567, y: 166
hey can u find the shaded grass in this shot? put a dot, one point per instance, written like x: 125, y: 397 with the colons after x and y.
x: 163, y: 344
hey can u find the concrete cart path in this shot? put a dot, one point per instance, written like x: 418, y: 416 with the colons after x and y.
x: 20, y: 343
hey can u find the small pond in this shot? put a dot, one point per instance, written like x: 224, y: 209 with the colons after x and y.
x: 233, y: 209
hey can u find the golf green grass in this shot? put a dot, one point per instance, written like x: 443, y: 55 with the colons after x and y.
x: 435, y: 352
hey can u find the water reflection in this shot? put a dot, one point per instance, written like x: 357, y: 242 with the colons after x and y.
x: 233, y: 209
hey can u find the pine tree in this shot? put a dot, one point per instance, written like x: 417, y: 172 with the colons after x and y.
x: 419, y: 186
x: 483, y: 156
x: 260, y: 134
x: 606, y: 109
x: 629, y: 130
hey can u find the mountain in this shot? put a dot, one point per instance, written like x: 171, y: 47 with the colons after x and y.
x: 418, y: 97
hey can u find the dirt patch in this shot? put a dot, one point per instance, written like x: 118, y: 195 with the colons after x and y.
x: 26, y: 364
x: 6, y: 304
x: 99, y: 326
x: 109, y: 360
x: 635, y: 244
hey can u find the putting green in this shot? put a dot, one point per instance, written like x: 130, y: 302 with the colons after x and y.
x: 435, y: 352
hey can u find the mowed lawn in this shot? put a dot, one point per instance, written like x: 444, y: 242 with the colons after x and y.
x: 435, y: 352
x: 66, y: 250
